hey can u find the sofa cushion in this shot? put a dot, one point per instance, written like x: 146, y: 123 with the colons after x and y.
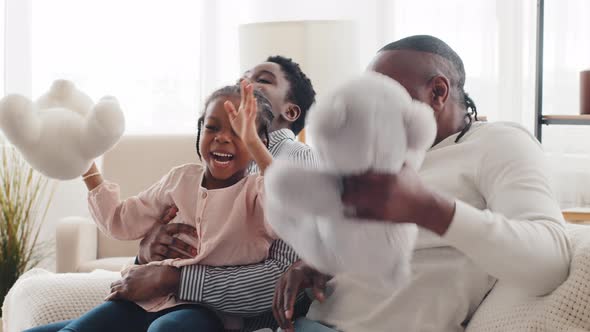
x: 566, y: 309
x: 41, y: 297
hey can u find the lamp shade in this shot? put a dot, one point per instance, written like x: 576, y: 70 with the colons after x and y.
x: 327, y: 51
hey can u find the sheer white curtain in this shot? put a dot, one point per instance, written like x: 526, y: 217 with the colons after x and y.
x: 162, y: 59
x: 494, y: 38
x: 146, y: 53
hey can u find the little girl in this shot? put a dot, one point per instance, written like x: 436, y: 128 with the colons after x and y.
x: 218, y: 198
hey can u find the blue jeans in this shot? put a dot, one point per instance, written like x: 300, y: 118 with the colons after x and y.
x: 124, y: 316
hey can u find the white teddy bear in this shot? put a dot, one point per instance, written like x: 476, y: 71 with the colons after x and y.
x: 63, y: 131
x: 369, y: 123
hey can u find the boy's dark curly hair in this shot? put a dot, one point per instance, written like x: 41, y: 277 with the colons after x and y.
x: 301, y: 90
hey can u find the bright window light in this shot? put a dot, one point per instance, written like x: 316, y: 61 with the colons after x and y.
x: 145, y: 53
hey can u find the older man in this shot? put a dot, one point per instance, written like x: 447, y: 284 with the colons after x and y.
x: 482, y: 201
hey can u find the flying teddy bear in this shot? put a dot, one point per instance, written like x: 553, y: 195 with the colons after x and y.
x: 368, y: 124
x: 62, y: 132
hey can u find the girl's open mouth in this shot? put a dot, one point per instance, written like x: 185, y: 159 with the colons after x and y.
x: 222, y: 159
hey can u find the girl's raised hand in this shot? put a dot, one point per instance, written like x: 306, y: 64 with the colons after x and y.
x: 243, y: 121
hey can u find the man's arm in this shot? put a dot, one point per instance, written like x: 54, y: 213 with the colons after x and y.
x: 240, y: 290
x: 520, y: 238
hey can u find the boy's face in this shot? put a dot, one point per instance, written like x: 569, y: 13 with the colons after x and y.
x: 269, y: 79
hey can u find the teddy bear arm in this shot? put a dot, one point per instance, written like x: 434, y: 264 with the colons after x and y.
x: 19, y: 121
x: 303, y: 235
x: 363, y: 248
x: 314, y: 192
x: 298, y: 230
x: 104, y: 127
x: 303, y: 191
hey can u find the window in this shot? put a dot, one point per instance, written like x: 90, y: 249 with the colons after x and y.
x: 145, y: 53
x: 566, y: 54
x: 161, y: 59
x: 495, y: 39
x: 2, y: 46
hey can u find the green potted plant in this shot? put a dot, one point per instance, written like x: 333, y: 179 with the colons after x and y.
x: 25, y: 196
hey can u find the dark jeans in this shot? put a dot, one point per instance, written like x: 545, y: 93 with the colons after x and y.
x: 124, y: 316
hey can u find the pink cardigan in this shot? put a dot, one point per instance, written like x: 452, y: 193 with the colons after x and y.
x: 230, y: 221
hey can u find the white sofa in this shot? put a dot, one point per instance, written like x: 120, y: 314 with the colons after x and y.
x: 41, y: 297
x: 134, y: 163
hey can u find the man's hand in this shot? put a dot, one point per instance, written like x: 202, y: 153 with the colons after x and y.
x: 146, y: 282
x: 160, y: 244
x: 298, y: 277
x: 398, y: 198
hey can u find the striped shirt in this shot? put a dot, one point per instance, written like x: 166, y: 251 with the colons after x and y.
x: 283, y: 144
x: 248, y: 290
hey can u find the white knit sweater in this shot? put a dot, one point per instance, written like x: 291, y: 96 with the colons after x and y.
x: 507, y: 226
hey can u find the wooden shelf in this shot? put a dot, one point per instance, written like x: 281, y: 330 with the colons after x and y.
x: 578, y: 216
x: 540, y: 119
x: 566, y: 119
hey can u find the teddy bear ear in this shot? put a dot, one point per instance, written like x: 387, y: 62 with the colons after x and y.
x: 105, y: 125
x: 329, y: 117
x: 60, y: 88
x: 420, y: 131
x: 64, y: 94
x: 19, y: 121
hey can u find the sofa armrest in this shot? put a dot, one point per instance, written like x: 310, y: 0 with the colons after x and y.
x: 507, y: 308
x: 41, y: 297
x: 76, y: 242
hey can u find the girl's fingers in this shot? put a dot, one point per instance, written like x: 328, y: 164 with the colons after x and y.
x: 253, y: 111
x: 249, y: 95
x: 243, y: 92
x: 230, y: 109
x: 252, y: 106
x: 248, y: 104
